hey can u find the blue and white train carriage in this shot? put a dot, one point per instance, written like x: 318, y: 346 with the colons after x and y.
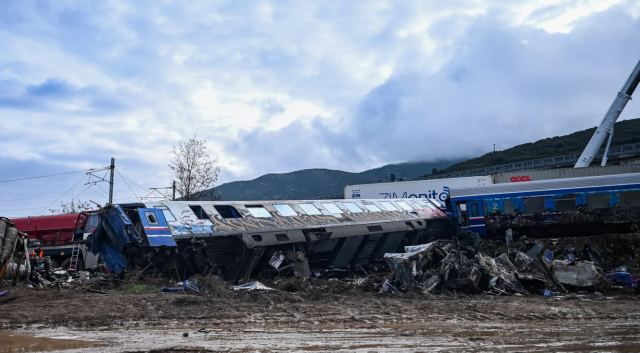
x: 247, y: 238
x: 572, y: 206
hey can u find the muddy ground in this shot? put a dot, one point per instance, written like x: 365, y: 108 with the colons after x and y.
x: 140, y: 319
x: 321, y: 316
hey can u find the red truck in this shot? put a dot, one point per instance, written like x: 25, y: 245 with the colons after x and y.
x: 57, y: 236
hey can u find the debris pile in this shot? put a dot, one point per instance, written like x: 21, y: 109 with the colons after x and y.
x: 533, y: 268
x: 14, y: 262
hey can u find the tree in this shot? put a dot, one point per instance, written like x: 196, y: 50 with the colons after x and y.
x: 194, y: 170
x: 73, y: 206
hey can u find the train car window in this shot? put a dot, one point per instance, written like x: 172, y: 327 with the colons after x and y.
x: 199, y: 211
x: 285, y: 210
x: 404, y: 206
x: 310, y: 209
x: 372, y: 208
x: 534, y: 204
x: 332, y: 208
x: 352, y: 207
x: 258, y: 211
x: 388, y: 206
x: 566, y: 203
x: 474, y: 210
x: 227, y: 211
x: 92, y: 223
x: 437, y: 203
x: 629, y: 198
x: 463, y: 217
x: 597, y: 201
x: 168, y: 215
x: 508, y: 207
x: 151, y: 218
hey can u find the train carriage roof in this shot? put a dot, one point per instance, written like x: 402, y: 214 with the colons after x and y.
x: 549, y: 185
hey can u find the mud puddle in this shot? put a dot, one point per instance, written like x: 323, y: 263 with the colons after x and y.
x: 14, y: 343
x: 452, y: 336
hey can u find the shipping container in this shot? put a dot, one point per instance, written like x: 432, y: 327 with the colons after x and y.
x: 562, y: 173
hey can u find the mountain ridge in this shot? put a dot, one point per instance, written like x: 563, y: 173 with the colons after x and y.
x: 318, y: 183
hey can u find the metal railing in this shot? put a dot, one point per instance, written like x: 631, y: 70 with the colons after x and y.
x: 615, y: 152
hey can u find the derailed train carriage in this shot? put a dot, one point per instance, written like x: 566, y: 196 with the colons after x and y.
x: 245, y: 239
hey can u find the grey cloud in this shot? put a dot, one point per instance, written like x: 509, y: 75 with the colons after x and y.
x: 52, y: 93
x: 503, y: 85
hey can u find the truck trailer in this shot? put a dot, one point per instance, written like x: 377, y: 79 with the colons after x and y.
x: 434, y: 189
x: 60, y: 238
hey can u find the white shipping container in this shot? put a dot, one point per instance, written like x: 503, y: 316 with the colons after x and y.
x: 435, y: 189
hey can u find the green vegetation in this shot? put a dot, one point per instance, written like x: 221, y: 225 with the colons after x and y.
x: 627, y: 131
x: 315, y: 183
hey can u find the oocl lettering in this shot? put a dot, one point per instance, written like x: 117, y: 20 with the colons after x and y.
x: 520, y: 178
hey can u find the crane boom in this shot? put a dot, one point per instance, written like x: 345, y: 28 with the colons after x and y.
x: 606, y: 126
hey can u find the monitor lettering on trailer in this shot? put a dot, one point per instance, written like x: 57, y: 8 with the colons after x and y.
x: 430, y: 194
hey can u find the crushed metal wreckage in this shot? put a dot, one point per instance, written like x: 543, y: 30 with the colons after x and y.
x: 442, y: 266
x: 14, y: 260
x: 36, y: 271
x: 247, y: 241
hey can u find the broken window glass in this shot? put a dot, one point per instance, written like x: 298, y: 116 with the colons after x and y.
x: 151, y: 218
x: 227, y: 211
x: 199, y: 211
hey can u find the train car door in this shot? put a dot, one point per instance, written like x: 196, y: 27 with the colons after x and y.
x: 471, y: 216
x: 156, y: 227
x: 475, y: 210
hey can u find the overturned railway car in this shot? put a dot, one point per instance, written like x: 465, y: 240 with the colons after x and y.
x: 244, y: 239
x: 557, y: 207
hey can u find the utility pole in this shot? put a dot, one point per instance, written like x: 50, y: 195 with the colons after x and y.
x: 173, y: 188
x: 112, y: 168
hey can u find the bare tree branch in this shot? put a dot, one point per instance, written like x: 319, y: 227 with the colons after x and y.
x: 73, y: 206
x: 193, y: 168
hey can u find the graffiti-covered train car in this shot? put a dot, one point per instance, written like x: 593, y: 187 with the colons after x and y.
x: 241, y: 239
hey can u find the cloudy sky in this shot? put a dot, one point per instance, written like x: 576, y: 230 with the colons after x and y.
x: 276, y: 86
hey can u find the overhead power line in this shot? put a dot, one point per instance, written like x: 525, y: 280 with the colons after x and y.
x: 41, y: 176
x: 52, y: 175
